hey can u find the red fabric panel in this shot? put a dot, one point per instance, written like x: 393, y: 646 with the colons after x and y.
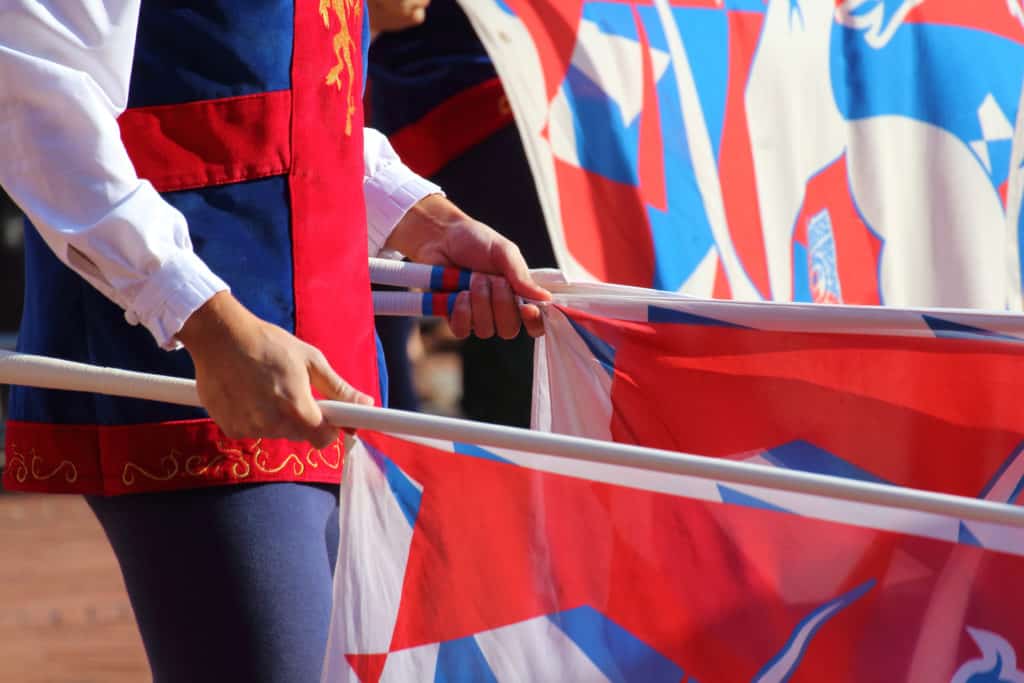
x: 986, y: 15
x: 456, y: 125
x: 652, y: 147
x: 857, y: 249
x: 929, y: 413
x: 333, y: 310
x: 553, y: 26
x: 211, y: 142
x: 606, y: 226
x: 716, y: 588
x: 170, y: 456
x: 736, y: 165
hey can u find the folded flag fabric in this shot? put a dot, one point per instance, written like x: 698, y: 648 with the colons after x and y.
x: 460, y: 563
x: 924, y: 399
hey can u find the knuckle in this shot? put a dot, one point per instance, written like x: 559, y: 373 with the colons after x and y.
x: 502, y: 289
x: 480, y: 285
x: 344, y: 390
x: 317, y: 356
x: 510, y: 331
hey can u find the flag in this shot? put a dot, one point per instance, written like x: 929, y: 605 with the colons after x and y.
x: 917, y: 398
x: 459, y: 563
x: 836, y: 151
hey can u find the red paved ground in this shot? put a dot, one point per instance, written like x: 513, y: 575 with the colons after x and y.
x: 64, y: 615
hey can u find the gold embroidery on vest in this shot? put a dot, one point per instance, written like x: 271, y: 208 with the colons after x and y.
x: 344, y: 49
x: 260, y: 460
x: 199, y: 465
x: 230, y: 464
x: 22, y: 470
x: 170, y: 465
x: 336, y: 447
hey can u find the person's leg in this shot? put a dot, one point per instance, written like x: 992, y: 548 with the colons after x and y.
x: 229, y: 583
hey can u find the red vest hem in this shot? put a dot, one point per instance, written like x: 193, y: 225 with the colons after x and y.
x: 115, y: 460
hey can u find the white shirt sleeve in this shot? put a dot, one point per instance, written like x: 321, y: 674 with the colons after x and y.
x: 390, y: 189
x: 64, y: 69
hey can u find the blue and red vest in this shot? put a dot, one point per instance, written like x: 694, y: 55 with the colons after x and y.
x: 434, y: 91
x: 248, y: 118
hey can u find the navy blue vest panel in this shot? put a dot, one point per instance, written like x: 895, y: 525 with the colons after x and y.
x: 191, y: 50
x: 414, y: 70
x: 252, y: 253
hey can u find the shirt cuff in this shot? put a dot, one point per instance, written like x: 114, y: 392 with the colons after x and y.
x: 390, y: 193
x: 171, y: 295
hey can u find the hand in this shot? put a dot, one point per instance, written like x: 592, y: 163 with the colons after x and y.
x: 437, y: 232
x: 254, y: 378
x: 395, y: 15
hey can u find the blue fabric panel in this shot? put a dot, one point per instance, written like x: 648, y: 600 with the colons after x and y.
x: 407, y: 495
x: 191, y: 50
x: 948, y: 329
x: 51, y: 325
x: 415, y: 70
x: 462, y: 661
x: 621, y: 656
x: 737, y: 497
x: 382, y: 372
x: 474, y: 451
x: 241, y: 231
x: 806, y: 457
x: 603, y: 352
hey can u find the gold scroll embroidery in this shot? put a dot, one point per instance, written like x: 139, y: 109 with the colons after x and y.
x: 169, y: 463
x: 22, y: 470
x: 233, y: 464
x: 344, y: 49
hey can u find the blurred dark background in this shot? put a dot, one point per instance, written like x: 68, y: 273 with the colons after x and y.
x: 12, y: 269
x: 12, y: 283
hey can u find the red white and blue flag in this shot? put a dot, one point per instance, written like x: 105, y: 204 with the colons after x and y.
x: 918, y: 398
x: 840, y: 151
x: 829, y: 151
x: 459, y: 563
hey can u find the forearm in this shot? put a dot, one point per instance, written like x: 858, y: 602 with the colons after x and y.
x: 390, y: 188
x: 65, y: 67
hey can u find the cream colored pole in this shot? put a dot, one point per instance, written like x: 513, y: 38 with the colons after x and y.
x: 24, y: 369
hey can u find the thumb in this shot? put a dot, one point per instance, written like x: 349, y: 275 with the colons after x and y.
x: 511, y: 264
x: 331, y: 385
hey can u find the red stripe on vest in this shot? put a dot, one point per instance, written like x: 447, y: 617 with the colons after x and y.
x: 210, y: 142
x: 450, y: 129
x: 333, y: 308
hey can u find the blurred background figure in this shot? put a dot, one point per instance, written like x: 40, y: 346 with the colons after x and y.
x: 434, y: 91
x: 12, y: 267
x: 12, y: 284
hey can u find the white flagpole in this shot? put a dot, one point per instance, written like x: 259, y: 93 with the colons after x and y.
x: 49, y: 373
x: 418, y: 275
